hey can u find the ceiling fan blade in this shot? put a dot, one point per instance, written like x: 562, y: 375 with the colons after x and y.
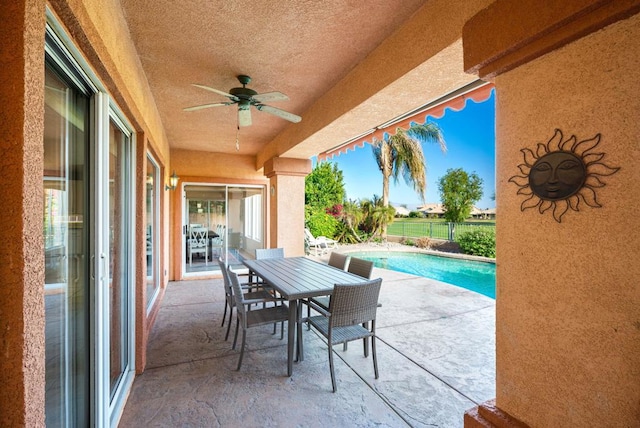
x: 244, y: 117
x: 217, y: 91
x: 200, y: 107
x: 270, y: 96
x: 280, y: 113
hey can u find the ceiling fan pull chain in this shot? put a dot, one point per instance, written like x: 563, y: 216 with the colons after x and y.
x: 237, y: 141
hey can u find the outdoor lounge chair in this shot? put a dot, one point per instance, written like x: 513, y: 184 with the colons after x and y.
x: 352, y: 308
x: 319, y: 245
x: 255, y: 317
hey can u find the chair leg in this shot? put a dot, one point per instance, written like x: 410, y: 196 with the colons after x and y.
x: 229, y: 325
x: 333, y: 376
x: 375, y: 358
x: 365, y: 341
x: 235, y: 336
x: 244, y: 341
x: 224, y: 316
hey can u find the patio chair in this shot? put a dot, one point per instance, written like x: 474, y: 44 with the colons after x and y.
x: 357, y: 266
x: 251, y: 291
x: 269, y: 253
x: 336, y: 260
x: 319, y: 245
x: 255, y: 317
x: 360, y: 267
x: 351, y: 308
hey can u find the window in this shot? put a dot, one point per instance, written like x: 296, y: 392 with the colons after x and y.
x: 253, y: 217
x: 152, y: 229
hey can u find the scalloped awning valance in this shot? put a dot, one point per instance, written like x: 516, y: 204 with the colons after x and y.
x: 477, y: 91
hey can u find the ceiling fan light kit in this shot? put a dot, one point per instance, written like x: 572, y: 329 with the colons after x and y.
x: 245, y: 98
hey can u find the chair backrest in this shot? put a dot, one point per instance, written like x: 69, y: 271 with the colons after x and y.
x: 338, y: 260
x: 360, y: 267
x: 353, y: 304
x: 225, y: 277
x: 198, y: 237
x: 241, y: 310
x: 269, y: 253
x: 220, y: 231
x: 308, y: 235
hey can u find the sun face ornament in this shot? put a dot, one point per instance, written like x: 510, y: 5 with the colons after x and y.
x: 561, y: 174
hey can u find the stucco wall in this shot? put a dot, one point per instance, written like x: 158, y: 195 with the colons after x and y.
x: 568, y: 297
x: 22, y: 340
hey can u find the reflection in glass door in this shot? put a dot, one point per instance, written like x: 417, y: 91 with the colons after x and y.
x: 221, y: 221
x: 66, y: 229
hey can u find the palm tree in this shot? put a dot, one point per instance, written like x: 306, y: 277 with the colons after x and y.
x: 401, y: 154
x: 375, y: 216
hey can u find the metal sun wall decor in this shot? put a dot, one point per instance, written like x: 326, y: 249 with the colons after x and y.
x: 561, y: 174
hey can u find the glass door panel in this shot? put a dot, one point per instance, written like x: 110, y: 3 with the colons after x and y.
x: 118, y: 256
x: 66, y: 230
x: 233, y: 217
x: 205, y: 227
x: 152, y: 230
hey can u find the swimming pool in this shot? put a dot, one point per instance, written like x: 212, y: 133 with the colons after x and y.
x: 472, y: 275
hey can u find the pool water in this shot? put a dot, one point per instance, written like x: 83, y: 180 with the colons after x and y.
x: 472, y: 275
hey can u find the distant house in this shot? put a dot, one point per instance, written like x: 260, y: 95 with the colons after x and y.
x: 401, y: 211
x: 432, y: 210
x: 437, y: 211
x: 485, y: 214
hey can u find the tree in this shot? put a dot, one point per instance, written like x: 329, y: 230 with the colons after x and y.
x: 401, y: 155
x: 375, y: 216
x: 324, y: 187
x: 458, y: 192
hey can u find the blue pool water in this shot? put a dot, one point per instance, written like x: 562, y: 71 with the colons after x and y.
x: 475, y: 276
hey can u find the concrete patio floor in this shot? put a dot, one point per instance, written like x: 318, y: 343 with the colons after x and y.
x: 436, y: 355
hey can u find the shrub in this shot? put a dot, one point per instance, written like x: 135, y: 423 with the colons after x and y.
x: 408, y: 241
x: 423, y: 242
x: 416, y: 214
x: 480, y: 242
x: 322, y: 224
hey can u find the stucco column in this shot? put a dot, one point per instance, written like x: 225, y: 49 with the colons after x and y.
x: 286, y: 203
x: 568, y: 300
x: 22, y: 319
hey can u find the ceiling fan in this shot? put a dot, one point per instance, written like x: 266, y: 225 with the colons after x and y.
x: 245, y: 98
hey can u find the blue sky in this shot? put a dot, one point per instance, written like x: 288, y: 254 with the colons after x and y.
x: 470, y: 138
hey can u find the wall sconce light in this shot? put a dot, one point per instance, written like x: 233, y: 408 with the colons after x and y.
x: 173, y: 182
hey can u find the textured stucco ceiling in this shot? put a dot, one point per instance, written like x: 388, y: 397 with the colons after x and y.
x: 303, y: 48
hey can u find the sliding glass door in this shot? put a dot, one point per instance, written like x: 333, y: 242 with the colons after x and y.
x: 88, y: 220
x: 67, y: 230
x: 220, y: 221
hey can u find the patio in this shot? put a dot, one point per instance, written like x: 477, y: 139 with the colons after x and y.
x: 436, y: 350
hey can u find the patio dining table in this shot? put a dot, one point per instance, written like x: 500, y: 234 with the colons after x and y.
x: 296, y: 278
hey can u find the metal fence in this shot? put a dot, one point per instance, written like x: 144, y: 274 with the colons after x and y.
x: 437, y: 230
